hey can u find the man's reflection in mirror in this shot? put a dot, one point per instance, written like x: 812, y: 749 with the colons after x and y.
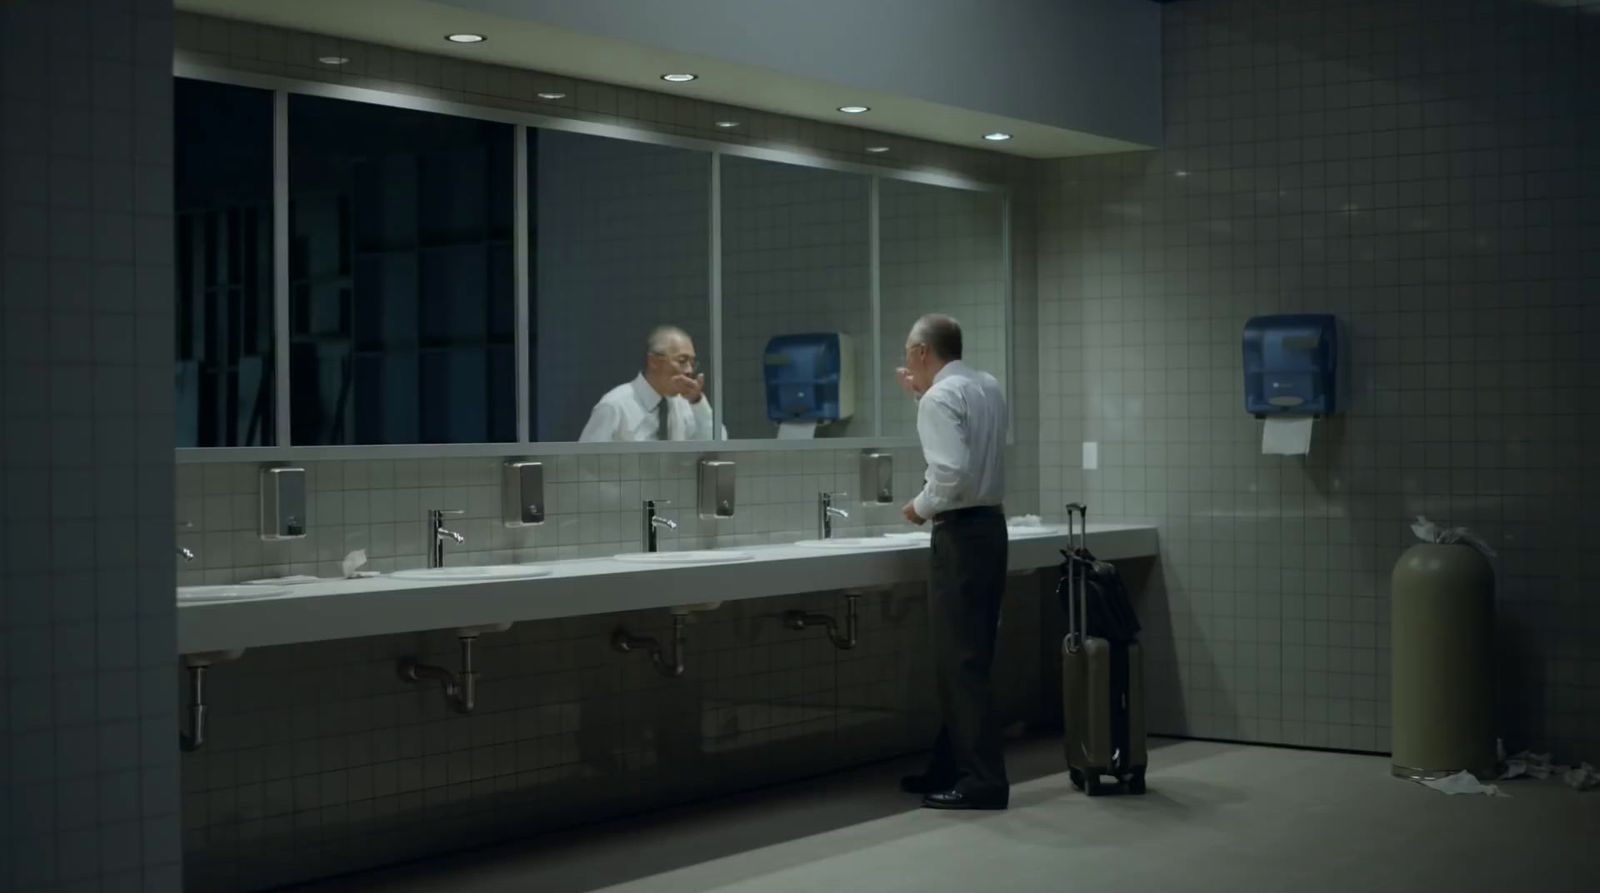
x: 665, y: 401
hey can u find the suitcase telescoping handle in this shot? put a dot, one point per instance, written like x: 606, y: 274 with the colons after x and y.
x: 1077, y: 576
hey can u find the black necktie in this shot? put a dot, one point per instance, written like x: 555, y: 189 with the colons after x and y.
x: 661, y: 419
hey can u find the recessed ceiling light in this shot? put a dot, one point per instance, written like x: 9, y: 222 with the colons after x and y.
x: 997, y: 137
x: 877, y: 150
x: 552, y: 95
x: 727, y: 125
x: 465, y: 38
x: 333, y: 60
x: 683, y: 78
x: 854, y: 109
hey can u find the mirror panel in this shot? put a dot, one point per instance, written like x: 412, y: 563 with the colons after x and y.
x: 222, y: 203
x: 400, y: 276
x: 619, y: 243
x: 941, y: 251
x: 795, y: 260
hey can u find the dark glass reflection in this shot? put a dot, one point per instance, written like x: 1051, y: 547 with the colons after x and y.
x: 400, y: 266
x: 222, y: 200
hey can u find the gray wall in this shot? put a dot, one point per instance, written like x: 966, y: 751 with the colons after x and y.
x: 1086, y: 64
x: 1420, y: 168
x: 88, y: 726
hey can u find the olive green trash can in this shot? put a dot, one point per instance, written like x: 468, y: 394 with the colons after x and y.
x: 1442, y: 661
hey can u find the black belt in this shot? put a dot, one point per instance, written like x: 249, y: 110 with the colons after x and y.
x: 976, y: 511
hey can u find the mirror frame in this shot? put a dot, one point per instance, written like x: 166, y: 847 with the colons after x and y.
x: 282, y: 87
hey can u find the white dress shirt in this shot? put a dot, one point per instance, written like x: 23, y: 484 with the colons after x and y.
x: 961, y: 421
x: 627, y: 414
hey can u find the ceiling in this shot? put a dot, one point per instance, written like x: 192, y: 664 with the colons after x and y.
x: 421, y: 25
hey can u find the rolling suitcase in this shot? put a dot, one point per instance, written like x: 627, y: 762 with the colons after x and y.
x: 1102, y: 673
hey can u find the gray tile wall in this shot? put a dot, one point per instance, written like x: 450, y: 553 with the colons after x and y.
x: 88, y: 720
x: 321, y: 762
x: 1422, y: 169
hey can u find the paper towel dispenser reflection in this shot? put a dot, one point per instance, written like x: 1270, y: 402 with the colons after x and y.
x: 810, y: 378
x: 1291, y: 365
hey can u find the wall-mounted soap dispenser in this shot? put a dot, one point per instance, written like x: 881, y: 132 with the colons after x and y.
x: 716, y: 488
x: 877, y: 477
x: 283, y: 503
x: 522, y: 493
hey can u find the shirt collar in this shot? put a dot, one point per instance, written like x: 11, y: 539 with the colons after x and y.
x: 954, y: 367
x: 645, y: 394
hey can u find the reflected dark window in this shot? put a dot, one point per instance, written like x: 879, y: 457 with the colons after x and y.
x: 222, y: 199
x: 400, y: 268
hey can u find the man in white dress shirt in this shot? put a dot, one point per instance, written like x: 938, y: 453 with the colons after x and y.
x: 665, y: 401
x: 961, y: 421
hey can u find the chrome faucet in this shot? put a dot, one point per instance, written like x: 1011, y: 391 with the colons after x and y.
x: 437, y: 534
x: 826, y: 512
x: 186, y: 553
x: 653, y: 522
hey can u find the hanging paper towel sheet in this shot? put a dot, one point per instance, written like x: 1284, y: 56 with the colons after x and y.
x: 1286, y: 436
x: 800, y: 429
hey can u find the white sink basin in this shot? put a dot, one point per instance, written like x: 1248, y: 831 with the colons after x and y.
x: 194, y: 594
x: 910, y: 536
x: 854, y: 542
x: 483, y: 572
x: 702, y: 556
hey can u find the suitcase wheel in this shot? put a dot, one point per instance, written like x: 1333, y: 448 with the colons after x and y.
x: 1077, y: 778
x: 1092, y: 785
x: 1135, y: 781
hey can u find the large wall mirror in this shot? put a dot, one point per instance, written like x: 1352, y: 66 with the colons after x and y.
x: 447, y: 279
x: 619, y: 249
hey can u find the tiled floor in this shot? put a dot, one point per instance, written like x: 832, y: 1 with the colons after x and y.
x: 1218, y: 817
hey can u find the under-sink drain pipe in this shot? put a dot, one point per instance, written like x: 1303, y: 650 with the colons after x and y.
x: 460, y: 689
x: 194, y: 737
x: 622, y: 641
x: 799, y: 621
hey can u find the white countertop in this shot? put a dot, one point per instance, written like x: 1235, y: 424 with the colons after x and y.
x: 385, y: 605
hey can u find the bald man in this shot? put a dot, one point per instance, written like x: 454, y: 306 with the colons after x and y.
x: 665, y: 401
x: 961, y: 421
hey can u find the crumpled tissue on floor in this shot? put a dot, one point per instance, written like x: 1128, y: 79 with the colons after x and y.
x: 1462, y: 782
x: 1540, y: 766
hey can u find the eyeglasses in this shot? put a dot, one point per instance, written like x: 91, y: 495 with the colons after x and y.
x: 682, y: 361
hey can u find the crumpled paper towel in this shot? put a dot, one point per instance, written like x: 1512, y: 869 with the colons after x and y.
x: 1540, y: 766
x: 1462, y: 782
x: 1429, y: 532
x: 1024, y: 521
x: 353, y: 563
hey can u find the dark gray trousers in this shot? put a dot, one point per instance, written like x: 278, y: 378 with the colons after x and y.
x: 968, y: 581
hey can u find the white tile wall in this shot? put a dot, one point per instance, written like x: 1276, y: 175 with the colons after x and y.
x: 593, y: 503
x: 621, y: 234
x: 1417, y: 168
x: 88, y: 756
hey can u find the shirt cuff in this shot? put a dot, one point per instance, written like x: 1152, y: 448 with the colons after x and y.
x: 924, y: 506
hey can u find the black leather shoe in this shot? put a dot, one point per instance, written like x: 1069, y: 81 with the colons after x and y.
x: 956, y: 799
x: 924, y: 784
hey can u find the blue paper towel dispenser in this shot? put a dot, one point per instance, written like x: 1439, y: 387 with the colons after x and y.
x: 810, y: 378
x: 1291, y: 365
